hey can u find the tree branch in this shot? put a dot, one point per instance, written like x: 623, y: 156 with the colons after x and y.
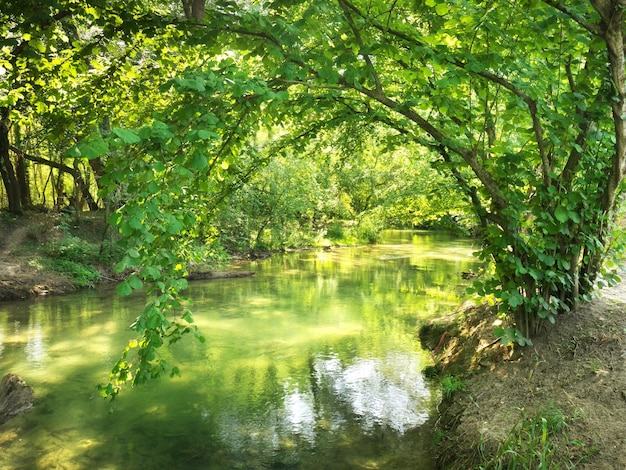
x: 467, y: 155
x: 78, y: 178
x: 492, y: 77
x: 43, y: 161
x: 592, y: 28
x: 357, y: 34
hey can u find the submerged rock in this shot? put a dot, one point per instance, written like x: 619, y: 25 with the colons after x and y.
x: 16, y: 397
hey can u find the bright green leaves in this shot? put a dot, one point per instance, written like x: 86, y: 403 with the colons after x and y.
x: 132, y: 283
x: 441, y: 8
x: 507, y: 113
x: 562, y: 214
x: 207, y: 135
x: 89, y: 148
x: 95, y: 146
x: 198, y: 161
x: 510, y: 336
x: 127, y: 136
x: 169, y: 177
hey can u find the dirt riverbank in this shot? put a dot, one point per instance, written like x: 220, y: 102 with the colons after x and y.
x: 575, y: 369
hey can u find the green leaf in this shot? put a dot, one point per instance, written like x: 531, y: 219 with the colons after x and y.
x: 441, y: 9
x: 562, y: 214
x: 73, y: 152
x: 198, y: 162
x: 174, y: 226
x: 135, y: 223
x: 93, y: 148
x: 515, y: 300
x: 151, y: 273
x: 207, y: 135
x: 123, y: 289
x: 154, y: 320
x: 134, y: 282
x: 127, y: 136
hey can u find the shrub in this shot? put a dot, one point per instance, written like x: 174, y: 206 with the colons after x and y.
x: 82, y: 275
x: 451, y: 384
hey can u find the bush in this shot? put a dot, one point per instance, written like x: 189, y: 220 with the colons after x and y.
x: 538, y: 442
x: 370, y: 228
x: 72, y: 249
x: 335, y: 231
x: 82, y: 275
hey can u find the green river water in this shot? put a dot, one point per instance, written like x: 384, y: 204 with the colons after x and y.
x: 313, y: 363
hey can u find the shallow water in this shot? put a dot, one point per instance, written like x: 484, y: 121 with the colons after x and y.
x: 312, y: 363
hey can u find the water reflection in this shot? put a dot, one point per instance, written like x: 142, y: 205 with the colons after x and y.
x: 361, y: 402
x: 388, y: 392
x: 312, y: 363
x: 35, y: 345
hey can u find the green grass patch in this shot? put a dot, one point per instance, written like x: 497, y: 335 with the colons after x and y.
x: 451, y: 384
x: 538, y: 442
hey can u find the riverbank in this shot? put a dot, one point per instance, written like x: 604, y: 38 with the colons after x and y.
x: 42, y: 254
x: 51, y: 254
x: 560, y: 402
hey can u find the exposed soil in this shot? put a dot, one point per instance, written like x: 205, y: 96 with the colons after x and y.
x: 577, y: 366
x: 21, y: 242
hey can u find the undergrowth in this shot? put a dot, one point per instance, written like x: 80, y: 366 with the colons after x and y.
x: 537, y: 442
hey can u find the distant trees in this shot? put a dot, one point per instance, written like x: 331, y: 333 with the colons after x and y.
x: 67, y: 70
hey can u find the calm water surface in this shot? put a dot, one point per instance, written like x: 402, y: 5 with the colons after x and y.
x: 313, y: 363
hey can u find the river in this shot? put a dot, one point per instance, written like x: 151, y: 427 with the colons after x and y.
x: 313, y: 363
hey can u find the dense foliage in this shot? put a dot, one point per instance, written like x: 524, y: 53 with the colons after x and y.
x: 301, y: 114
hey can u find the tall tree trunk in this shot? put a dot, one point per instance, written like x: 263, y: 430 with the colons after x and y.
x: 7, y: 171
x: 23, y: 181
x: 21, y: 169
x: 194, y: 9
x: 611, y: 30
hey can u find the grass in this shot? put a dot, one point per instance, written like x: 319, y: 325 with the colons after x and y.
x: 75, y: 258
x: 539, y: 442
x: 451, y: 384
x: 82, y: 275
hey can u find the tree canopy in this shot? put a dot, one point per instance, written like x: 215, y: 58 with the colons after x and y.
x: 174, y: 108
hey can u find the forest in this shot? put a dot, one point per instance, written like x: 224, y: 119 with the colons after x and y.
x: 205, y: 127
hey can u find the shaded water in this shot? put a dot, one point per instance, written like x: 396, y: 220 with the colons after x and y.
x: 312, y: 363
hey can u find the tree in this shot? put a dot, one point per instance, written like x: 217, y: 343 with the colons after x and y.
x: 65, y: 65
x: 523, y: 102
x: 521, y: 123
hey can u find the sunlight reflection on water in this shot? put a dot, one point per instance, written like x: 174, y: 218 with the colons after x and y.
x: 387, y: 391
